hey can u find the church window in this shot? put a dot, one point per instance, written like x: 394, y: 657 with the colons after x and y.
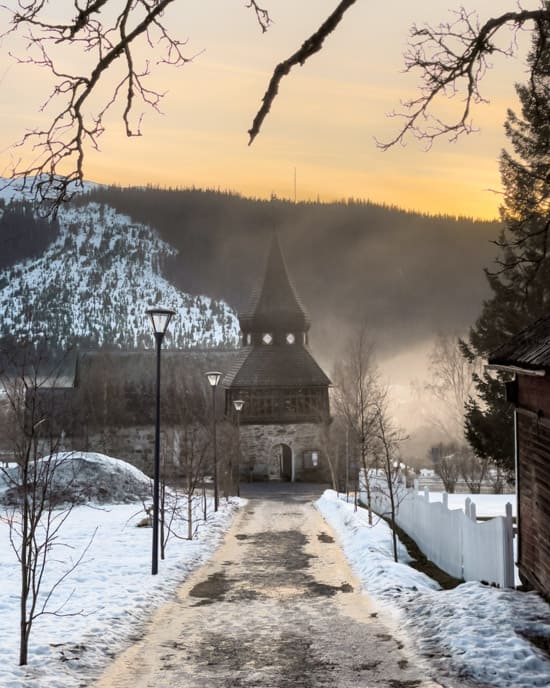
x: 311, y: 459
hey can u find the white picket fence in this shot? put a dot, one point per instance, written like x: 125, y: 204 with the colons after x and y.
x: 451, y: 538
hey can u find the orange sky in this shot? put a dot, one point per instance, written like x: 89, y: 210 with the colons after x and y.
x: 323, y: 122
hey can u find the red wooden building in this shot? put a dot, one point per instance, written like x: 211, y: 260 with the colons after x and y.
x: 527, y: 356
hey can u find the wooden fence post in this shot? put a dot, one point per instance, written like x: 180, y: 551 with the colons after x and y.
x: 509, y: 581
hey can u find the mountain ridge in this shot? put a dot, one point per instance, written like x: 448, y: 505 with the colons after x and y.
x: 94, y: 282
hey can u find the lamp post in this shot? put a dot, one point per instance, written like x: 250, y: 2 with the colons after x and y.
x: 214, y: 377
x: 238, y: 405
x: 160, y: 317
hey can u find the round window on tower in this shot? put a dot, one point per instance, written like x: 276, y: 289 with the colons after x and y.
x: 290, y: 338
x: 267, y: 338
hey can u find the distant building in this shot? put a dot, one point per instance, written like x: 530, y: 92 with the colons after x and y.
x: 527, y: 356
x: 114, y: 399
x: 286, y: 402
x: 109, y: 406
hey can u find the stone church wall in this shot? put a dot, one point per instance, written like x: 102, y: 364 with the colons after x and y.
x: 260, y: 446
x: 135, y: 444
x: 260, y: 455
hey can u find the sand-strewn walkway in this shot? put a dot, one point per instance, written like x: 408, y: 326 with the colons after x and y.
x: 276, y: 607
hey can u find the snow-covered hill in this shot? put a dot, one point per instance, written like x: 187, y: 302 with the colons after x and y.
x: 94, y: 283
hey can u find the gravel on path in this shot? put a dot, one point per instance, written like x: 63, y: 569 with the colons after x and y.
x: 277, y: 607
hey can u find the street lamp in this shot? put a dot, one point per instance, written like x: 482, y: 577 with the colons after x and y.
x: 213, y: 378
x: 238, y: 405
x: 160, y: 317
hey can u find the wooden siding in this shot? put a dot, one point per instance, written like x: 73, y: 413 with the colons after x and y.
x: 534, y: 394
x: 534, y: 498
x: 279, y: 405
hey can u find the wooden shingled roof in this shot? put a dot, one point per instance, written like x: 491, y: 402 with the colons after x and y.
x: 139, y: 367
x: 275, y: 308
x: 275, y: 367
x: 274, y: 303
x: 529, y: 349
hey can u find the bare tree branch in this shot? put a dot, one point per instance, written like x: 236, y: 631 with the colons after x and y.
x: 58, y: 151
x: 453, y: 59
x: 309, y: 47
x: 262, y: 15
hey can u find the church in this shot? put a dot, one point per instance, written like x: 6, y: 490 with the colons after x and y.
x: 108, y: 403
x: 286, y: 414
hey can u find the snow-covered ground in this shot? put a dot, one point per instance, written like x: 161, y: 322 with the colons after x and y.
x: 473, y: 630
x: 487, y: 505
x: 109, y: 595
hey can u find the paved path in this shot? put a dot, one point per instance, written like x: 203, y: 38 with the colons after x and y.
x: 276, y: 607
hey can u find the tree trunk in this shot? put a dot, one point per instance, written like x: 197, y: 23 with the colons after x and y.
x: 162, y: 538
x: 26, y: 525
x: 189, y: 506
x: 392, y: 507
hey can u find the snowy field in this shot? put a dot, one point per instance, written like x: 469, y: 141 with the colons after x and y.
x: 487, y: 505
x: 108, y: 597
x: 473, y: 630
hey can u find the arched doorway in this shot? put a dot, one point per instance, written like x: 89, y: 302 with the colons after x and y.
x: 281, y: 466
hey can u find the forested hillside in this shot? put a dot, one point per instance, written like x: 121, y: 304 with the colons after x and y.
x: 93, y: 283
x: 410, y: 275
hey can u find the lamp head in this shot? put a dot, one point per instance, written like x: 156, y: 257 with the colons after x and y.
x: 238, y: 404
x: 160, y: 318
x: 213, y: 377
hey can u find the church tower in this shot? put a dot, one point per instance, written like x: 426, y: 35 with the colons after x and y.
x: 285, y: 392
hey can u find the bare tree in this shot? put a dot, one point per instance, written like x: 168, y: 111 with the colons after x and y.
x: 446, y: 462
x: 356, y: 390
x: 186, y: 453
x: 451, y: 384
x: 386, y: 449
x: 40, y: 492
x: 473, y: 469
x: 452, y: 59
x: 330, y: 452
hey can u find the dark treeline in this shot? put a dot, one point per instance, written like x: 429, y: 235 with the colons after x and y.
x: 409, y: 274
x: 22, y: 234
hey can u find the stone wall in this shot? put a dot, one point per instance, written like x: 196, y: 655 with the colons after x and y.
x: 135, y: 444
x: 260, y: 448
x: 260, y: 451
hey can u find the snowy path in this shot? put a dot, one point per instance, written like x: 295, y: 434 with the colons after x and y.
x: 277, y: 607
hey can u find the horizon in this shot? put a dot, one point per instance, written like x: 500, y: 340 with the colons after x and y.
x: 312, y: 201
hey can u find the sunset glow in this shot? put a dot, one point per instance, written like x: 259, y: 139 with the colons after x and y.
x: 323, y: 124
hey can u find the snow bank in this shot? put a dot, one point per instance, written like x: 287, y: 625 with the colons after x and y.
x: 473, y: 630
x: 84, y: 477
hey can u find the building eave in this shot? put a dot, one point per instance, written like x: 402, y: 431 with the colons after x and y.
x: 510, y: 368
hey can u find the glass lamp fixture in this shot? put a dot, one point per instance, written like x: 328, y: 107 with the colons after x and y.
x: 160, y: 318
x: 213, y: 377
x: 238, y: 404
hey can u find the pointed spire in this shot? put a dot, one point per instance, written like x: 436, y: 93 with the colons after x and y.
x: 275, y: 305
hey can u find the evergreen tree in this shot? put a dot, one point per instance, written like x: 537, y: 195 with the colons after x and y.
x: 521, y: 283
